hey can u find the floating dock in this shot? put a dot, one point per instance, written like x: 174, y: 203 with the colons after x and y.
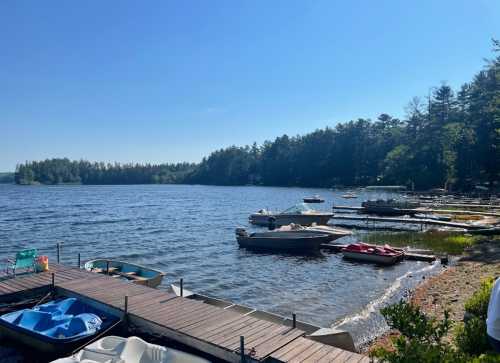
x: 210, y: 329
x: 425, y: 210
x: 408, y: 221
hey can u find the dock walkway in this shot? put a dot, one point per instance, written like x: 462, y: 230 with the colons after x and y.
x: 210, y: 329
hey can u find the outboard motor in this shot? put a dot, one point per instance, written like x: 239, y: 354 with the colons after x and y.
x: 271, y: 223
x: 242, y: 232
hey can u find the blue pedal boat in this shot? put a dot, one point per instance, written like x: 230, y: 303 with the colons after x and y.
x: 57, y: 326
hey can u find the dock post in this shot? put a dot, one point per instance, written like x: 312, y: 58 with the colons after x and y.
x: 79, y: 260
x: 107, y: 267
x: 126, y: 305
x: 58, y: 252
x: 242, y: 349
x: 182, y: 287
x: 294, y: 320
x: 53, y: 280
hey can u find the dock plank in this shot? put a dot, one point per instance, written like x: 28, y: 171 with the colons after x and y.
x: 204, y: 326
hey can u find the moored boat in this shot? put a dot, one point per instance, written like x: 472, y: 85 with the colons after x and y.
x: 281, y: 240
x: 313, y: 199
x: 57, y: 326
x: 129, y: 350
x: 383, y: 255
x: 389, y: 207
x: 136, y: 273
x: 349, y: 196
x: 299, y: 214
x: 333, y: 232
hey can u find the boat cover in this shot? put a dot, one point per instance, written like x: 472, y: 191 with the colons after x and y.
x: 67, y: 319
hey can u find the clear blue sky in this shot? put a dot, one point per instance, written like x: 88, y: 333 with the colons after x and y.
x: 173, y: 80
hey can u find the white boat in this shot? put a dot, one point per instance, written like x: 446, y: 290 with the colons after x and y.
x: 281, y: 240
x: 349, y: 196
x: 138, y: 274
x: 113, y: 349
x: 299, y: 214
x: 333, y: 232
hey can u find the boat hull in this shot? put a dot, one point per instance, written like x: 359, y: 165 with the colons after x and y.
x: 292, y: 243
x: 372, y: 258
x: 284, y: 219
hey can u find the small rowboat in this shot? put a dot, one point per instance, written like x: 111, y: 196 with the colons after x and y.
x: 57, y: 326
x: 138, y: 274
x: 129, y: 350
x: 383, y: 255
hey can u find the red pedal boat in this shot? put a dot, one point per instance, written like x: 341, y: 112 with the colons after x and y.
x: 384, y: 255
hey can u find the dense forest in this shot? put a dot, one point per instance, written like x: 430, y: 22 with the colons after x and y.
x: 451, y: 139
x: 64, y: 171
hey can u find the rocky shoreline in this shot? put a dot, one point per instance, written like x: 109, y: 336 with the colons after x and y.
x: 450, y: 289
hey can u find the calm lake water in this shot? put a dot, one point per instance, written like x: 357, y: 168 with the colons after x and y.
x: 188, y: 232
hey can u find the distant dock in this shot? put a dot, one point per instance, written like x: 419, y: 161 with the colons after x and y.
x: 217, y: 331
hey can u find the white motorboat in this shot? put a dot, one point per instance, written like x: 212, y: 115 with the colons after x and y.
x: 129, y: 350
x: 333, y: 232
x: 281, y: 240
x: 299, y: 214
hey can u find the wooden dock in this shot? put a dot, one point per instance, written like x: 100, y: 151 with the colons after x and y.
x: 426, y: 210
x: 207, y: 328
x: 407, y: 221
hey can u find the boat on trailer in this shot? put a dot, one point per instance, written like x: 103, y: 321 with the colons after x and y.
x: 383, y: 255
x: 57, y: 326
x: 138, y: 274
x: 129, y: 350
x: 329, y: 336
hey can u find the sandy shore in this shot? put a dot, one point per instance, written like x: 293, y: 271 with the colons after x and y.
x: 451, y: 288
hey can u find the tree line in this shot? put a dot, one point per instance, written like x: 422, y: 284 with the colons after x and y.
x: 65, y: 171
x: 450, y: 140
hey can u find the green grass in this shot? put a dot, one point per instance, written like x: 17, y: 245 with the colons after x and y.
x: 438, y: 241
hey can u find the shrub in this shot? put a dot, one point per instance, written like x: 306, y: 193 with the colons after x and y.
x: 421, y: 338
x: 471, y: 338
x: 477, y: 305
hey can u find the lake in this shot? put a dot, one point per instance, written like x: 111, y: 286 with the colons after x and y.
x: 188, y: 231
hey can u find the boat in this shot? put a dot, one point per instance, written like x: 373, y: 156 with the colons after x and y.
x: 435, y: 217
x: 281, y: 240
x: 383, y: 255
x: 57, y: 326
x: 138, y: 274
x: 333, y: 232
x: 330, y: 336
x: 313, y: 199
x: 389, y: 207
x: 349, y: 196
x: 299, y: 214
x: 129, y: 350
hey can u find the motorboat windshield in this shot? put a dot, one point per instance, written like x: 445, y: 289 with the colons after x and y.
x: 301, y: 208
